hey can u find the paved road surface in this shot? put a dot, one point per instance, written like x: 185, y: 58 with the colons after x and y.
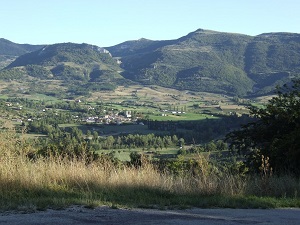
x: 103, y: 215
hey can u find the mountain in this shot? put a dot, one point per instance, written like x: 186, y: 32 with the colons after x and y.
x: 213, y: 61
x: 12, y: 49
x: 272, y: 59
x: 140, y: 46
x: 203, y: 60
x: 80, y: 67
x: 9, y: 51
x: 67, y: 61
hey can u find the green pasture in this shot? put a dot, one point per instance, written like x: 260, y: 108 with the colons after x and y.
x: 137, y: 108
x: 154, y: 113
x: 40, y: 97
x: 124, y: 154
x: 258, y: 105
x: 178, y: 117
x: 3, y: 96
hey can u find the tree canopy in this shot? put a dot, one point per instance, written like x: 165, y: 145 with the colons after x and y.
x: 275, y: 133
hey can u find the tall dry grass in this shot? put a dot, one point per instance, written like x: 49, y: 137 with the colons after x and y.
x: 59, y: 182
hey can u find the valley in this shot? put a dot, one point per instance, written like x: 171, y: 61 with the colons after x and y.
x: 198, y: 87
x: 199, y: 121
x: 127, y: 111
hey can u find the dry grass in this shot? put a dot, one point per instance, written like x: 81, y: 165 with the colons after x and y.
x: 155, y: 94
x: 57, y: 182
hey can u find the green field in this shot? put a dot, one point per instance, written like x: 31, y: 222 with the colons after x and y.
x: 124, y: 154
x: 43, y: 97
x: 181, y: 116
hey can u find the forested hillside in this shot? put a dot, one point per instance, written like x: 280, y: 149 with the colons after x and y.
x: 81, y: 68
x: 203, y: 60
x: 9, y: 51
x: 213, y: 61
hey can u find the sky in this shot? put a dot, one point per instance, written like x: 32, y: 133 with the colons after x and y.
x: 110, y: 22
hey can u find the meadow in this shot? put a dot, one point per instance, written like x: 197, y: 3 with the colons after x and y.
x: 57, y: 182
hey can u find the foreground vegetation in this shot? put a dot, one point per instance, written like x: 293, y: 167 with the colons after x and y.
x: 276, y: 132
x: 56, y: 182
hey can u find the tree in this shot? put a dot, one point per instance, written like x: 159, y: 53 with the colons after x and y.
x: 88, y: 133
x: 181, y: 142
x: 211, y: 147
x: 95, y: 135
x: 137, y: 159
x: 275, y: 133
x: 109, y: 142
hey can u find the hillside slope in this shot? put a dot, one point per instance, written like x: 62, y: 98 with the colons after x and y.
x: 67, y: 61
x: 273, y: 59
x: 9, y: 51
x: 213, y: 61
x: 203, y: 60
x: 80, y: 68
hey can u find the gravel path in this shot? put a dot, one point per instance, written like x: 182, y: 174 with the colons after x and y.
x: 78, y: 215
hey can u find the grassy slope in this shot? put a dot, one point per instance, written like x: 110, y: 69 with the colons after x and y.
x: 56, y: 183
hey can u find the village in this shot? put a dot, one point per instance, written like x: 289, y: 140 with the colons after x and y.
x: 117, y: 117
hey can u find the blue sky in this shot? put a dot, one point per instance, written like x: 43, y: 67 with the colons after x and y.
x: 110, y: 22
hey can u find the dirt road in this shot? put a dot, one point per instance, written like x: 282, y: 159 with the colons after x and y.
x: 77, y: 215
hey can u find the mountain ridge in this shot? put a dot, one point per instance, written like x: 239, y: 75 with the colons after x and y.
x: 10, y: 48
x: 9, y: 51
x: 233, y: 70
x: 71, y: 69
x: 202, y: 60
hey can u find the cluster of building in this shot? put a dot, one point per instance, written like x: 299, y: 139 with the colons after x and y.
x: 111, y: 118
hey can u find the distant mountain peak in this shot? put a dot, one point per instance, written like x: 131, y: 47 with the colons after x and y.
x: 13, y: 49
x: 143, y: 39
x: 205, y: 31
x: 278, y: 34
